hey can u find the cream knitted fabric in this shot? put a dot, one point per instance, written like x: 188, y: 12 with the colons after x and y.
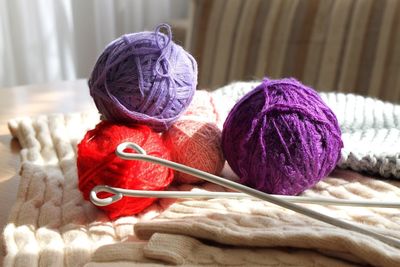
x: 186, y: 251
x: 51, y: 225
x: 370, y: 128
x: 253, y: 223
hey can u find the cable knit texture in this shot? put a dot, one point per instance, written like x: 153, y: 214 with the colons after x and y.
x: 51, y: 225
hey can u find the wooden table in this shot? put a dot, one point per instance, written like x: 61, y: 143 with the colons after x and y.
x: 31, y: 100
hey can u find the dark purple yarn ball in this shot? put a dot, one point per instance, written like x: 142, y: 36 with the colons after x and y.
x: 144, y: 78
x: 281, y: 138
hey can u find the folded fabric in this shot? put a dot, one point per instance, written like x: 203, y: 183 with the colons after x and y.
x: 51, y: 225
x: 254, y: 223
x: 187, y: 251
x: 370, y: 128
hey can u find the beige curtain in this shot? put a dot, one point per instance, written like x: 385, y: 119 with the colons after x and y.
x: 340, y: 45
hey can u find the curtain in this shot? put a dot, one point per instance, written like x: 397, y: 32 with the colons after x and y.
x: 46, y: 40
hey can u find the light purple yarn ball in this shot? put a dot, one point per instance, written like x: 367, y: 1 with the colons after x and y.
x: 281, y: 138
x: 144, y: 78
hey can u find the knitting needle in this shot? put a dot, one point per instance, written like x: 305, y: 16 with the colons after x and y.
x: 120, y: 192
x: 141, y: 155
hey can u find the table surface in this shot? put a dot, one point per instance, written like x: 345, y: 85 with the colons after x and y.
x: 31, y: 100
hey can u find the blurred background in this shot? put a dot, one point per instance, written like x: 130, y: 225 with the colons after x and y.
x: 331, y: 45
x: 46, y: 40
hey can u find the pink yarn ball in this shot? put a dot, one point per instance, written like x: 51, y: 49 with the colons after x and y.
x: 197, y: 144
x: 202, y: 107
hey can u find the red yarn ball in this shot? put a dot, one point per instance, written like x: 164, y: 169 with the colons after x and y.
x: 98, y: 165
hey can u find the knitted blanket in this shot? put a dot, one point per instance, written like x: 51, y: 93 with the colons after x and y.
x: 51, y: 225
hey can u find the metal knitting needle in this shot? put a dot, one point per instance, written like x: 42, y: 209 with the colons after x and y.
x: 141, y: 155
x: 118, y: 193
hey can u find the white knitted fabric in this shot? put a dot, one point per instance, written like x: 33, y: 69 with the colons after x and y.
x: 370, y: 128
x: 51, y: 225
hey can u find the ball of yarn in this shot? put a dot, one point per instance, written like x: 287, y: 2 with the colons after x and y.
x: 98, y: 165
x: 281, y: 138
x: 202, y: 107
x: 197, y: 144
x: 144, y: 77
